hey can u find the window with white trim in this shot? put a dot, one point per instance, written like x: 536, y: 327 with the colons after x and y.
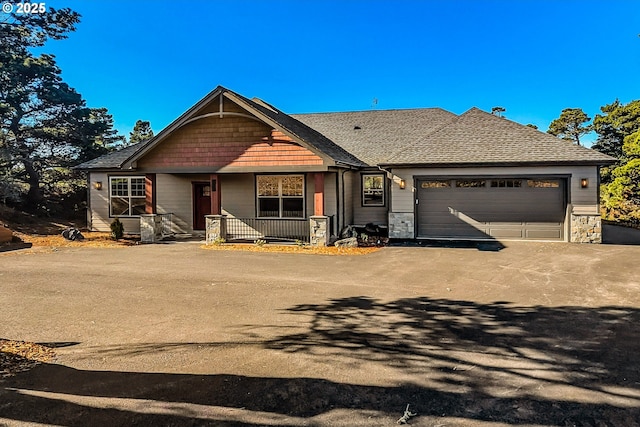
x: 126, y: 196
x: 373, y: 190
x: 280, y: 196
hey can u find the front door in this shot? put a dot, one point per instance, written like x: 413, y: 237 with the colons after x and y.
x: 201, y: 204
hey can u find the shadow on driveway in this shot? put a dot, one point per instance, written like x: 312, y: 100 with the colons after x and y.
x: 494, y: 363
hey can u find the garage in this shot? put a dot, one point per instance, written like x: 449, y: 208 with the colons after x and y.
x: 522, y: 208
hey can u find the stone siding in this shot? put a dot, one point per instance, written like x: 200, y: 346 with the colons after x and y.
x: 216, y: 228
x: 586, y: 229
x: 401, y: 225
x: 318, y: 231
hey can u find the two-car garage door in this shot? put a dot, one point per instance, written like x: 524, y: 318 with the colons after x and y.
x: 485, y: 208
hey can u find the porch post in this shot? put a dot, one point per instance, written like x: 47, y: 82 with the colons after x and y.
x: 216, y: 228
x: 150, y: 193
x: 214, y: 182
x: 318, y: 197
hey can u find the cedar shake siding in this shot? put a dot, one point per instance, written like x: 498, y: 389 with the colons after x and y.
x: 227, y: 142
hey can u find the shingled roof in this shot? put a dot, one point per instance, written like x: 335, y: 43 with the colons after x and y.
x: 479, y: 138
x: 420, y: 137
x: 113, y: 160
x: 373, y: 135
x: 301, y: 131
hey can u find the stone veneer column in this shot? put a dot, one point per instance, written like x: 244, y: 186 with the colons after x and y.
x: 216, y: 228
x: 401, y: 225
x: 149, y: 230
x: 318, y: 230
x: 586, y: 229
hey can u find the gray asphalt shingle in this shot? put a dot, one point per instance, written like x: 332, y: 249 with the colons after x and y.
x: 477, y: 137
x: 373, y: 135
x: 112, y: 160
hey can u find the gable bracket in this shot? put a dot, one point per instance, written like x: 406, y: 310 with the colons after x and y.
x: 222, y: 114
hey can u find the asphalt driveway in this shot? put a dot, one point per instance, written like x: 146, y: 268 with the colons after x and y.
x: 536, y: 334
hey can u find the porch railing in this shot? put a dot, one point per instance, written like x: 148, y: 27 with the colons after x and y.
x: 281, y: 229
x: 166, y: 224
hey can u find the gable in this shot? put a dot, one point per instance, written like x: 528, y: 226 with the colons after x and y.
x: 221, y: 135
x: 229, y: 142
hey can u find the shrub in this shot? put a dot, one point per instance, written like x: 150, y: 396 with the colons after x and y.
x: 218, y: 241
x: 117, y: 229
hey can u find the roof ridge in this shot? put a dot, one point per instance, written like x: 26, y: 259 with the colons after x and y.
x: 370, y: 111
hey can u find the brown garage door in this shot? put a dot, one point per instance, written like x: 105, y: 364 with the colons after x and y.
x: 484, y: 208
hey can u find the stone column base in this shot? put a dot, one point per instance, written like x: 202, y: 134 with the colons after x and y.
x: 318, y: 230
x: 401, y: 225
x: 216, y: 228
x: 586, y: 229
x: 150, y: 228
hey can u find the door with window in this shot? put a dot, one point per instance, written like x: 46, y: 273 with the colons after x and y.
x: 201, y: 204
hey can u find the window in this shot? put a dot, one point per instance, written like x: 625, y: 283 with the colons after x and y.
x: 506, y: 183
x: 280, y: 196
x: 543, y: 183
x: 127, y: 196
x: 373, y: 190
x: 435, y: 184
x: 470, y: 183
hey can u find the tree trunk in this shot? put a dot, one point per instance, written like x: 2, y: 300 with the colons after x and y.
x: 34, y: 196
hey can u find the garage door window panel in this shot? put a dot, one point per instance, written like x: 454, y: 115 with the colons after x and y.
x: 543, y: 183
x: 471, y: 183
x: 506, y: 183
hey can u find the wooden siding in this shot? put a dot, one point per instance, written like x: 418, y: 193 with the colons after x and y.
x: 175, y: 196
x: 349, y: 178
x: 238, y: 195
x: 331, y: 199
x: 227, y: 142
x: 368, y: 214
x: 98, y: 218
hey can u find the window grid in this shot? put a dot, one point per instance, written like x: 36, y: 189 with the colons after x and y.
x: 373, y: 190
x: 127, y: 196
x: 280, y: 196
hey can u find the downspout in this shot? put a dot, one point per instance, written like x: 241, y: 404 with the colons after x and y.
x: 88, y: 213
x: 344, y: 171
x: 388, y: 173
x: 343, y: 214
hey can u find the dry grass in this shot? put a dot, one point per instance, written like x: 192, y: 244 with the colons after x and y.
x: 91, y: 239
x: 327, y: 250
x: 20, y: 356
x: 50, y: 243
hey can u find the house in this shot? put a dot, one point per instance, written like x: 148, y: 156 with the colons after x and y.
x: 241, y: 168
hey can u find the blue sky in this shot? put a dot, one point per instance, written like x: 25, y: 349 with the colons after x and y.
x: 152, y: 60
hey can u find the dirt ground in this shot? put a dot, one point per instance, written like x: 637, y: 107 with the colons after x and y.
x: 527, y: 334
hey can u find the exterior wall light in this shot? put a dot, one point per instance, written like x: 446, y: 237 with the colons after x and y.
x: 584, y: 183
x: 97, y: 185
x: 403, y: 184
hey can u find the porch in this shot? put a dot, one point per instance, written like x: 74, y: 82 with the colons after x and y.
x: 314, y: 230
x: 251, y: 206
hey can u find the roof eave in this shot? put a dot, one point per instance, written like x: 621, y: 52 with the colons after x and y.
x: 500, y: 164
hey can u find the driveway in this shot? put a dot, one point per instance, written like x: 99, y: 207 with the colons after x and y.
x: 536, y: 334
